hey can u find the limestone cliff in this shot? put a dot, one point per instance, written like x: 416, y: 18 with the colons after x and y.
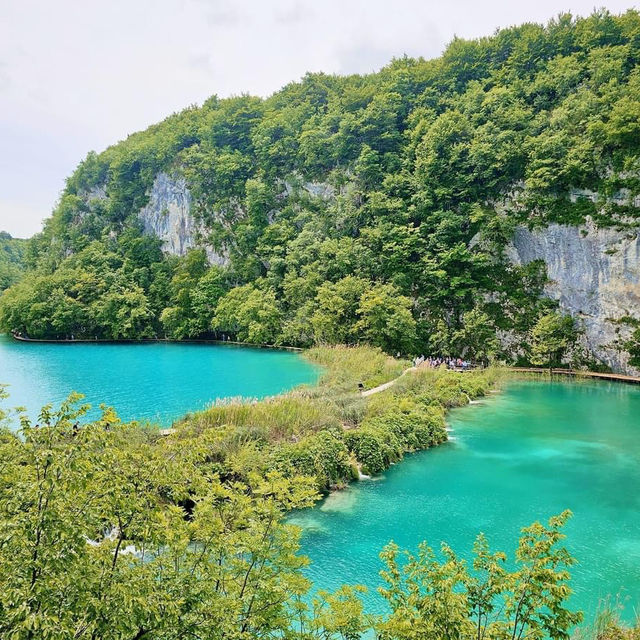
x: 168, y: 216
x: 595, y: 276
x: 594, y: 272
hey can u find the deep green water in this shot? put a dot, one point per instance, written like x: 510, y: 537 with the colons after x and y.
x: 158, y: 382
x: 525, y: 454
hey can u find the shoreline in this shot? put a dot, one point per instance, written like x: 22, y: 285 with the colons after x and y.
x: 575, y: 373
x: 253, y: 345
x: 491, y: 384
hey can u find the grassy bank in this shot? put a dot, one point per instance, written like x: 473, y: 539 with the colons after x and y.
x: 329, y: 431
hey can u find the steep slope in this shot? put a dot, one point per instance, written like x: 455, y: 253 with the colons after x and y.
x: 595, y: 275
x: 415, y: 208
x: 11, y: 259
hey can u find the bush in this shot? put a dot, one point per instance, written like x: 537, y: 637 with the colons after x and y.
x: 367, y: 447
x: 323, y: 455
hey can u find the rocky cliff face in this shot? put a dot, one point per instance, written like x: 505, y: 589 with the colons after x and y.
x: 594, y: 273
x: 595, y: 276
x: 168, y: 216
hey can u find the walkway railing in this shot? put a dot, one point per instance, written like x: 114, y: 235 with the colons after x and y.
x: 619, y: 377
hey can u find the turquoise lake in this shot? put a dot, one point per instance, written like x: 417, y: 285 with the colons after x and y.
x: 514, y: 457
x: 156, y: 382
x: 519, y: 456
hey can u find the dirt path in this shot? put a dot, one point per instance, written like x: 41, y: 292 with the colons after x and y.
x: 386, y: 385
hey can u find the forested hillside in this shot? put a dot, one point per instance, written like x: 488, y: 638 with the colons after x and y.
x: 11, y: 259
x: 375, y: 208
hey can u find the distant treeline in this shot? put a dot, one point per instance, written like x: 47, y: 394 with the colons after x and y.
x: 11, y: 259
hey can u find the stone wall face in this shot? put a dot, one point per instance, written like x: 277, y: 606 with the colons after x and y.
x: 168, y: 216
x: 594, y: 272
x: 595, y: 276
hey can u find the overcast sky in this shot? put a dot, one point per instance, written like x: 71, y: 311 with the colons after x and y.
x: 77, y: 75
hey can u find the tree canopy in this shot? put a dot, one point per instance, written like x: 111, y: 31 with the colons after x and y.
x: 342, y: 205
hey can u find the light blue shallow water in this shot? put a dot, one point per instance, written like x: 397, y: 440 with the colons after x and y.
x: 158, y: 382
x: 522, y: 455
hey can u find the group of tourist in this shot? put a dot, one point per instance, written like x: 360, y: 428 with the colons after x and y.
x: 451, y: 363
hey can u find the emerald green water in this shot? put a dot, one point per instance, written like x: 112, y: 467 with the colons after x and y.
x: 155, y: 382
x: 525, y: 454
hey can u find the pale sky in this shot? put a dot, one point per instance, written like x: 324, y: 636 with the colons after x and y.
x: 77, y: 75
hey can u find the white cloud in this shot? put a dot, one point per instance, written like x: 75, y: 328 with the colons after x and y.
x: 77, y: 75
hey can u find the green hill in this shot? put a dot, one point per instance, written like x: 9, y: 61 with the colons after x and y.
x: 12, y: 253
x: 377, y: 208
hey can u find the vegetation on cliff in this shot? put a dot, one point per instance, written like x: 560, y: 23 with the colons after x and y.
x: 361, y: 208
x: 11, y: 259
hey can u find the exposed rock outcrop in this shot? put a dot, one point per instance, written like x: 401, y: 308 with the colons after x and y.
x: 168, y: 216
x: 595, y: 276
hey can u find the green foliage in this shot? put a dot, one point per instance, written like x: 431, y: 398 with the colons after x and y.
x: 329, y: 431
x: 195, y: 289
x: 12, y: 258
x: 608, y: 626
x: 110, y: 531
x: 369, y: 208
x: 476, y: 339
x: 385, y: 319
x: 334, y: 320
x: 249, y: 314
x: 344, y: 367
x: 632, y: 345
x: 433, y: 599
x: 97, y: 292
x: 551, y: 338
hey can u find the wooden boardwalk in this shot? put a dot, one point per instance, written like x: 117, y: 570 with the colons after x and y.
x: 616, y: 377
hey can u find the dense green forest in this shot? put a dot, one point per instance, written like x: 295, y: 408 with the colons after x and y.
x: 112, y: 531
x: 12, y: 252
x: 422, y: 172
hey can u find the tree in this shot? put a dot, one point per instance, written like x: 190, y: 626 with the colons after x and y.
x: 12, y: 258
x: 106, y: 534
x: 415, y: 176
x: 432, y: 599
x: 249, y: 314
x: 477, y: 338
x: 440, y: 339
x: 124, y: 313
x: 178, y: 317
x: 632, y: 345
x: 204, y: 299
x: 334, y: 320
x: 385, y: 319
x: 551, y: 338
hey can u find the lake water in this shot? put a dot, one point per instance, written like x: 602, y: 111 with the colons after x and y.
x: 523, y: 455
x: 156, y: 382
